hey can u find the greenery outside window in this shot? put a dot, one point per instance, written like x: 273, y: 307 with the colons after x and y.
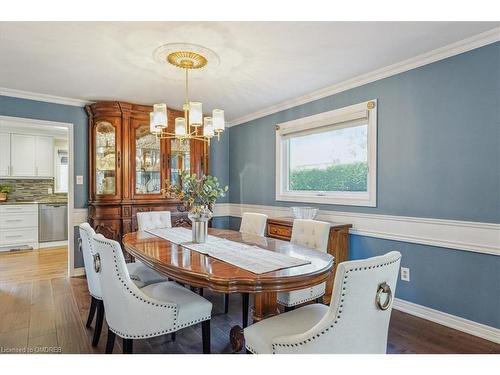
x: 329, y: 158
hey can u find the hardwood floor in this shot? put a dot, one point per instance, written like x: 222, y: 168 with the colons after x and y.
x: 47, y: 313
x: 43, y: 264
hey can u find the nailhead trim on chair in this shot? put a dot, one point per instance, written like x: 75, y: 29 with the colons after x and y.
x: 171, y: 306
x: 310, y: 298
x: 339, y: 311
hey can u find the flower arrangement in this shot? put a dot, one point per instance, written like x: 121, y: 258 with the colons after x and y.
x: 198, y: 194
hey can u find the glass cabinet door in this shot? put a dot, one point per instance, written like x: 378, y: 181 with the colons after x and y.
x: 105, y: 158
x: 180, y: 159
x: 147, y: 161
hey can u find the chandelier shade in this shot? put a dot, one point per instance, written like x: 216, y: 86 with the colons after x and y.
x: 180, y: 126
x: 195, y: 114
x: 208, y: 128
x: 218, y: 120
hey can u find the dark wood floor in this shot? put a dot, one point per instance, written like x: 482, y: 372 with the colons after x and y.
x: 52, y: 313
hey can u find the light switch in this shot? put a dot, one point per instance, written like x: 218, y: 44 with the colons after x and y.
x: 79, y: 180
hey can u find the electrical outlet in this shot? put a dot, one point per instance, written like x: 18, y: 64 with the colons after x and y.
x: 79, y: 180
x: 49, y: 191
x: 405, y: 274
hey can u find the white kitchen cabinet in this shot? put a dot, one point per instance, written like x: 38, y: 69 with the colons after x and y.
x: 4, y: 154
x: 23, y: 155
x: 31, y: 156
x: 18, y: 226
x: 44, y: 160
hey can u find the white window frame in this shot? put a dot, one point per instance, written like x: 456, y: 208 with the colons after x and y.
x: 333, y: 119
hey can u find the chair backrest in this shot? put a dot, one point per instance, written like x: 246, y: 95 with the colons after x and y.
x: 355, y: 322
x: 86, y: 234
x: 153, y: 220
x: 311, y: 233
x: 253, y: 223
x: 127, y: 308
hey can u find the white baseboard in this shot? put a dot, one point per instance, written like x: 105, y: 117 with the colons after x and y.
x: 78, y: 272
x: 448, y: 320
x: 451, y: 234
x: 44, y: 245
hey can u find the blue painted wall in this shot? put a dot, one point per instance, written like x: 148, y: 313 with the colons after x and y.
x: 63, y: 113
x: 438, y: 141
x: 438, y: 157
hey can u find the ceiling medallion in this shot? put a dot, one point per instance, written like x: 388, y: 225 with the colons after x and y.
x: 193, y: 125
x: 187, y: 59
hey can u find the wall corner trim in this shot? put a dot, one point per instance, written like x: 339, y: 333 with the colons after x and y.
x: 468, y: 44
x: 448, y: 320
x: 4, y: 91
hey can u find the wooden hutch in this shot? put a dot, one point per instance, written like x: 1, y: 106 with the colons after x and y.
x: 128, y: 166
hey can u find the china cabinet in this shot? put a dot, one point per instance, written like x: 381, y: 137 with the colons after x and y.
x: 128, y: 166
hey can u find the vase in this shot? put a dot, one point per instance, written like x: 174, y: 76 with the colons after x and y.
x: 199, y: 216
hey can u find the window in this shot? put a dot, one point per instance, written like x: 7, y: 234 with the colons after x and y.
x: 329, y: 158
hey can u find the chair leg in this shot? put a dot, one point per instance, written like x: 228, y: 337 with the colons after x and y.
x: 244, y: 309
x: 289, y: 308
x: 172, y: 335
x: 111, y: 342
x: 205, y: 332
x: 319, y: 300
x: 98, y: 323
x: 127, y: 346
x: 226, y: 303
x: 200, y: 291
x: 93, y: 305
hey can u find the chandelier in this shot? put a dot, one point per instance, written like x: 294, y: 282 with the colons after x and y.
x: 193, y: 125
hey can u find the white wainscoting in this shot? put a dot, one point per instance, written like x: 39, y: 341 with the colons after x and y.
x: 451, y: 234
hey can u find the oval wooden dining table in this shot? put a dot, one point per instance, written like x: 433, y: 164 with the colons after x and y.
x: 199, y: 270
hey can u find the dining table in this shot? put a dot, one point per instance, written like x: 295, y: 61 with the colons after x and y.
x: 200, y: 270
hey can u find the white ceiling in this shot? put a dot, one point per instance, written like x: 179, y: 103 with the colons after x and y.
x: 261, y: 63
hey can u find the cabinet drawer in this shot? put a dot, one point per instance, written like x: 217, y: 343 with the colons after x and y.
x: 18, y: 220
x: 279, y: 231
x: 18, y: 236
x: 17, y: 208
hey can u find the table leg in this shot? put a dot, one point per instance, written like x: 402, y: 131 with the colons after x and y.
x: 265, y: 306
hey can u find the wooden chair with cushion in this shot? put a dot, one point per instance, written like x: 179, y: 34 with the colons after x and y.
x: 153, y: 220
x: 313, y: 234
x: 357, y: 320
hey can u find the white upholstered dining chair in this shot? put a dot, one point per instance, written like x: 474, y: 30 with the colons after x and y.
x: 153, y: 220
x: 313, y: 234
x: 253, y: 223
x: 154, y: 310
x: 139, y: 273
x: 357, y: 320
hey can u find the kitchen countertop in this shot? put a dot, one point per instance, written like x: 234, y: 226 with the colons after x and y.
x: 42, y: 201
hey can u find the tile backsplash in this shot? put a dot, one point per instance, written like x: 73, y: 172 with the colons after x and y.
x: 31, y: 189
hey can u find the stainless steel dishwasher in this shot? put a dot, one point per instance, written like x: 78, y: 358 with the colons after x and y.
x: 52, y: 222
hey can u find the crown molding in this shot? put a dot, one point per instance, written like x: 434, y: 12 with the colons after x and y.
x: 43, y: 97
x: 441, y: 53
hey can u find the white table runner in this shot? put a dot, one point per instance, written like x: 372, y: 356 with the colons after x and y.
x: 177, y: 235
x: 248, y: 257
